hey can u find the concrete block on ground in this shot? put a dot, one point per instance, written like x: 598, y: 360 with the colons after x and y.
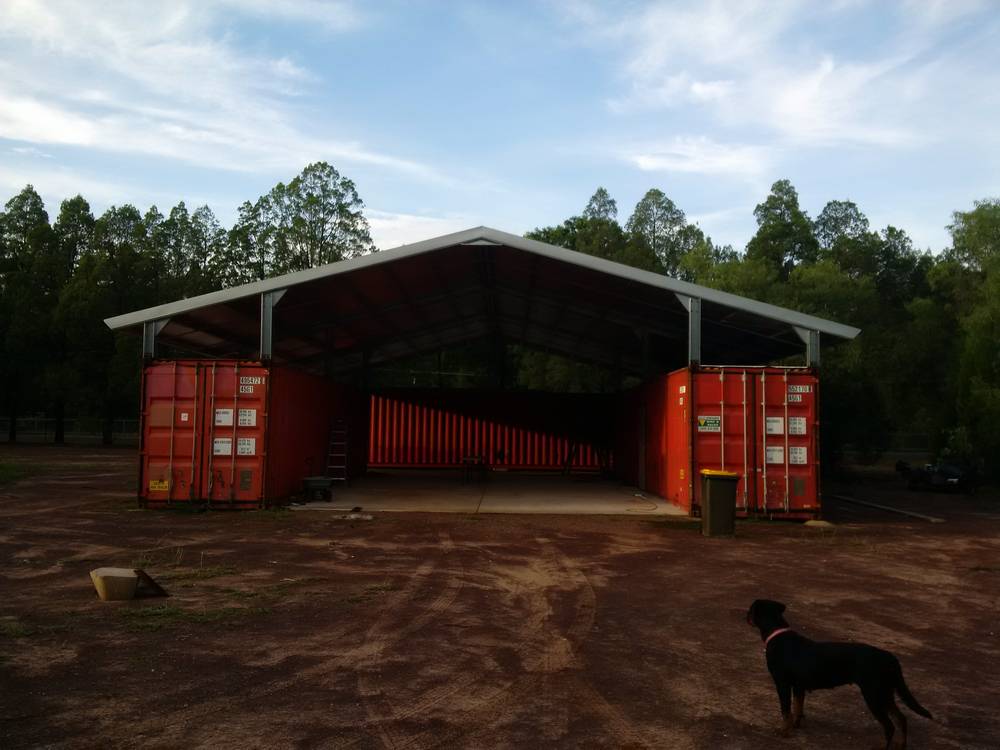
x: 115, y: 584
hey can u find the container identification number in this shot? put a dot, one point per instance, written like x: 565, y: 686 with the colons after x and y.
x: 247, y: 382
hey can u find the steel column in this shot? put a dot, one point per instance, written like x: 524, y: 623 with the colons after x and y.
x: 811, y: 339
x: 693, y: 306
x: 267, y: 302
x: 150, y: 329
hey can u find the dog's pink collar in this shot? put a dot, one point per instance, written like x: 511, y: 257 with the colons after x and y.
x: 775, y: 634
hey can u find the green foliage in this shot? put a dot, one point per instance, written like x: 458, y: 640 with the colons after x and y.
x: 601, y: 206
x: 784, y: 233
x: 976, y: 234
x: 59, y: 282
x: 928, y: 360
x: 659, y: 225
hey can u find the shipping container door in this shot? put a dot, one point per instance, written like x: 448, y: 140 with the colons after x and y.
x: 233, y: 453
x: 723, y: 428
x: 170, y: 449
x: 786, y: 434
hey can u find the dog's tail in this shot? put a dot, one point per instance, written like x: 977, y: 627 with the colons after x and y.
x: 907, y: 697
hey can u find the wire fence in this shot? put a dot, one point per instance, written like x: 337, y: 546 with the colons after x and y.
x: 81, y: 430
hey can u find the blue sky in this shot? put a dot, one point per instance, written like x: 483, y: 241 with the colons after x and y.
x: 449, y: 115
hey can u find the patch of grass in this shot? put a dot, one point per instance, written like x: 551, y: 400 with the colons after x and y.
x: 15, y: 472
x: 15, y: 629
x: 368, y: 593
x: 199, y: 574
x: 241, y: 594
x: 166, y: 615
x: 159, y: 557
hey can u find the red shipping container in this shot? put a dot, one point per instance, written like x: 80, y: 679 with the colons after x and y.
x: 761, y: 422
x: 237, y: 434
x: 517, y: 430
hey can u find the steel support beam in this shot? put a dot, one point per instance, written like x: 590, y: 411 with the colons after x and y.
x: 267, y: 302
x: 811, y: 339
x: 150, y: 329
x: 693, y: 306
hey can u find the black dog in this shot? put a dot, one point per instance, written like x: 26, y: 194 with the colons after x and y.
x: 799, y: 665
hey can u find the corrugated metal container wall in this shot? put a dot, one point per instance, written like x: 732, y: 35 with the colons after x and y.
x: 518, y: 430
x: 761, y: 422
x: 302, y: 407
x: 235, y: 434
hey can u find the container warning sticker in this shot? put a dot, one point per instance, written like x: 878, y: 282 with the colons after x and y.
x: 775, y: 425
x: 775, y: 454
x: 184, y: 416
x: 682, y: 389
x: 248, y: 417
x: 222, y: 447
x: 246, y: 447
x: 796, y: 426
x: 710, y: 424
x: 794, y: 398
x: 797, y: 454
x: 800, y: 389
x: 158, y: 485
x: 224, y: 417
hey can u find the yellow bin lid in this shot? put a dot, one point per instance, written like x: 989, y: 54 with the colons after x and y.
x: 717, y: 473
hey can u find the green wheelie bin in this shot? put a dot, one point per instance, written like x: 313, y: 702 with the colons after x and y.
x: 718, y: 502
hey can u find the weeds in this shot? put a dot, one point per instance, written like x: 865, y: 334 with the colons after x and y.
x: 15, y: 629
x: 15, y: 472
x: 368, y: 593
x: 200, y: 574
x: 165, y: 615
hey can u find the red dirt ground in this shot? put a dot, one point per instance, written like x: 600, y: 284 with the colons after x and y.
x: 298, y: 630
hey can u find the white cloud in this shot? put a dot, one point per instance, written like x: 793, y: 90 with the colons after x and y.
x: 55, y: 185
x: 331, y: 14
x: 674, y: 90
x: 394, y: 229
x: 173, y: 84
x: 770, y: 65
x: 700, y: 155
x: 30, y: 151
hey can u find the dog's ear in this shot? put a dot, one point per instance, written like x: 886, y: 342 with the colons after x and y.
x: 776, y: 609
x: 763, y: 609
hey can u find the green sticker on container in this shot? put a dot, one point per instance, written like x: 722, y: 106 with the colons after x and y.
x: 710, y: 424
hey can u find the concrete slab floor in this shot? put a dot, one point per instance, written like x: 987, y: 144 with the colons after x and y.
x: 498, y: 492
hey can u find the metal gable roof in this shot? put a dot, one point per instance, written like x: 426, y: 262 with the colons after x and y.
x: 475, y: 283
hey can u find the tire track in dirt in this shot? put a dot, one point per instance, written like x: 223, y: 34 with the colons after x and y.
x: 557, y: 652
x: 383, y: 634
x: 345, y: 658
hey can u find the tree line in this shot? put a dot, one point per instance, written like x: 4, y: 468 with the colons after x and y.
x: 60, y: 279
x: 928, y: 360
